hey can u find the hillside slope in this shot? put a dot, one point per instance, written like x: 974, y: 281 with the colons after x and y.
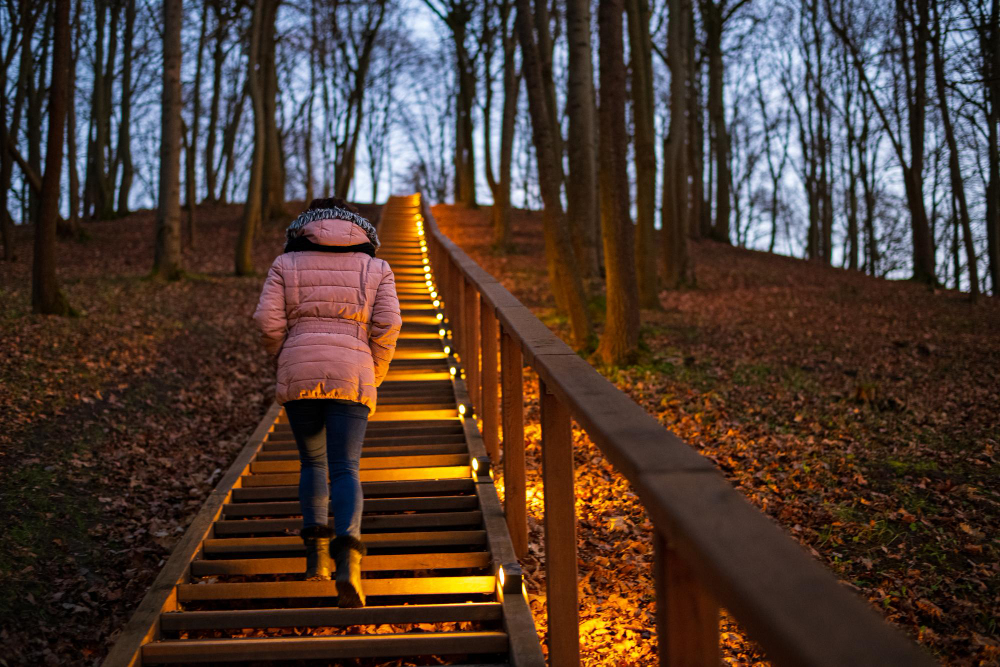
x: 859, y: 413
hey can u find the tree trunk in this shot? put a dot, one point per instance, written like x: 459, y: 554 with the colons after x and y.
x: 677, y: 223
x: 252, y: 209
x: 274, y: 178
x: 713, y: 22
x: 71, y: 226
x: 641, y: 55
x: 36, y: 99
x: 990, y: 46
x: 46, y: 298
x: 954, y: 166
x: 191, y: 147
x: 218, y: 57
x: 167, y: 256
x: 229, y: 141
x: 125, y: 127
x: 564, y: 275
x: 581, y: 186
x: 500, y: 187
x: 8, y: 133
x: 620, y: 340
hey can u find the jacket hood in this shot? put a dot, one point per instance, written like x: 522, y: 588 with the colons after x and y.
x: 333, y: 227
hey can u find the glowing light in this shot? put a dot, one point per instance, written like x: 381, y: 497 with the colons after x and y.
x: 429, y: 283
x: 436, y: 303
x: 452, y: 371
x: 462, y: 411
x: 441, y: 333
x: 475, y: 468
x: 427, y: 275
x: 500, y: 574
x: 433, y: 294
x: 440, y: 317
x: 447, y: 349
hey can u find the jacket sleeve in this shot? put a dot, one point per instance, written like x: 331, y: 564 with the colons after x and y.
x: 270, y: 314
x: 385, y: 325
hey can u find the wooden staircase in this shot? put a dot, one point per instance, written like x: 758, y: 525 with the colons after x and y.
x: 435, y: 531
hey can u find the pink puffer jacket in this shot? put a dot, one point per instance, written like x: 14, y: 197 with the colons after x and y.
x: 332, y: 318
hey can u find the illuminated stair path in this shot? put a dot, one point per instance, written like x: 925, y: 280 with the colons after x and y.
x: 433, y: 525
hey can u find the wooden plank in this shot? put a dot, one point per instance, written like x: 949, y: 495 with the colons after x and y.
x: 293, y: 545
x: 312, y: 617
x: 631, y: 439
x: 324, y: 647
x: 413, y: 504
x: 292, y: 454
x: 514, y: 477
x: 372, y: 563
x: 687, y: 617
x: 490, y: 406
x: 370, y: 489
x: 370, y: 463
x: 560, y: 531
x: 793, y: 606
x: 470, y: 331
x: 397, y: 586
x: 397, y: 474
x: 142, y: 626
x: 369, y: 523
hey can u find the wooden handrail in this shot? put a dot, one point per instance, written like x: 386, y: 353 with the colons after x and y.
x: 712, y: 547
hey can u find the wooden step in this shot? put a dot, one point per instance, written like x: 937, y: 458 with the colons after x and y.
x: 370, y: 524
x: 370, y: 489
x: 371, y: 506
x: 371, y: 463
x: 235, y: 546
x: 323, y: 647
x: 400, y: 586
x: 290, y: 453
x: 373, y: 563
x: 387, y: 475
x: 330, y: 616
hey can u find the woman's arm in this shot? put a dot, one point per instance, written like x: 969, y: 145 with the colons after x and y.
x: 385, y: 325
x: 270, y: 314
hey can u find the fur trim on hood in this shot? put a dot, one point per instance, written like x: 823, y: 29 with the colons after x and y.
x: 337, y: 213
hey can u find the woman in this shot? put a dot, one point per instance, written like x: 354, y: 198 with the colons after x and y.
x: 329, y: 314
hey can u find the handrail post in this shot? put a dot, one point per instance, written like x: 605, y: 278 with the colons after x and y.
x: 470, y: 320
x: 560, y: 531
x: 488, y: 336
x: 512, y: 416
x: 458, y: 288
x: 687, y: 616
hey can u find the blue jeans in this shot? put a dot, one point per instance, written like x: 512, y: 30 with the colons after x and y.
x: 329, y: 434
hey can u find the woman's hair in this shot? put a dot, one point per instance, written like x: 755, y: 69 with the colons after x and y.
x: 331, y: 202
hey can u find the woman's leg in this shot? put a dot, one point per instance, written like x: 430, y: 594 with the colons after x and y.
x: 308, y: 422
x: 345, y: 433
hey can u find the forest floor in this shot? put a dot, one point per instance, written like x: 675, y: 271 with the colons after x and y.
x: 117, y: 424
x: 861, y: 414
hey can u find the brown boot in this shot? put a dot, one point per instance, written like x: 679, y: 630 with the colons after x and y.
x: 347, y: 552
x: 317, y: 542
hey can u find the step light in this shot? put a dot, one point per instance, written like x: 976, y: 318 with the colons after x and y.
x: 511, y: 577
x: 482, y: 471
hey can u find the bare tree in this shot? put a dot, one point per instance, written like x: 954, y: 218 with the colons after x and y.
x: 581, y: 187
x: 641, y: 62
x: 678, y: 163
x: 167, y: 256
x: 911, y: 24
x: 253, y: 208
x: 500, y: 187
x: 938, y: 37
x: 457, y: 15
x: 46, y: 297
x: 620, y: 339
x: 564, y: 275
